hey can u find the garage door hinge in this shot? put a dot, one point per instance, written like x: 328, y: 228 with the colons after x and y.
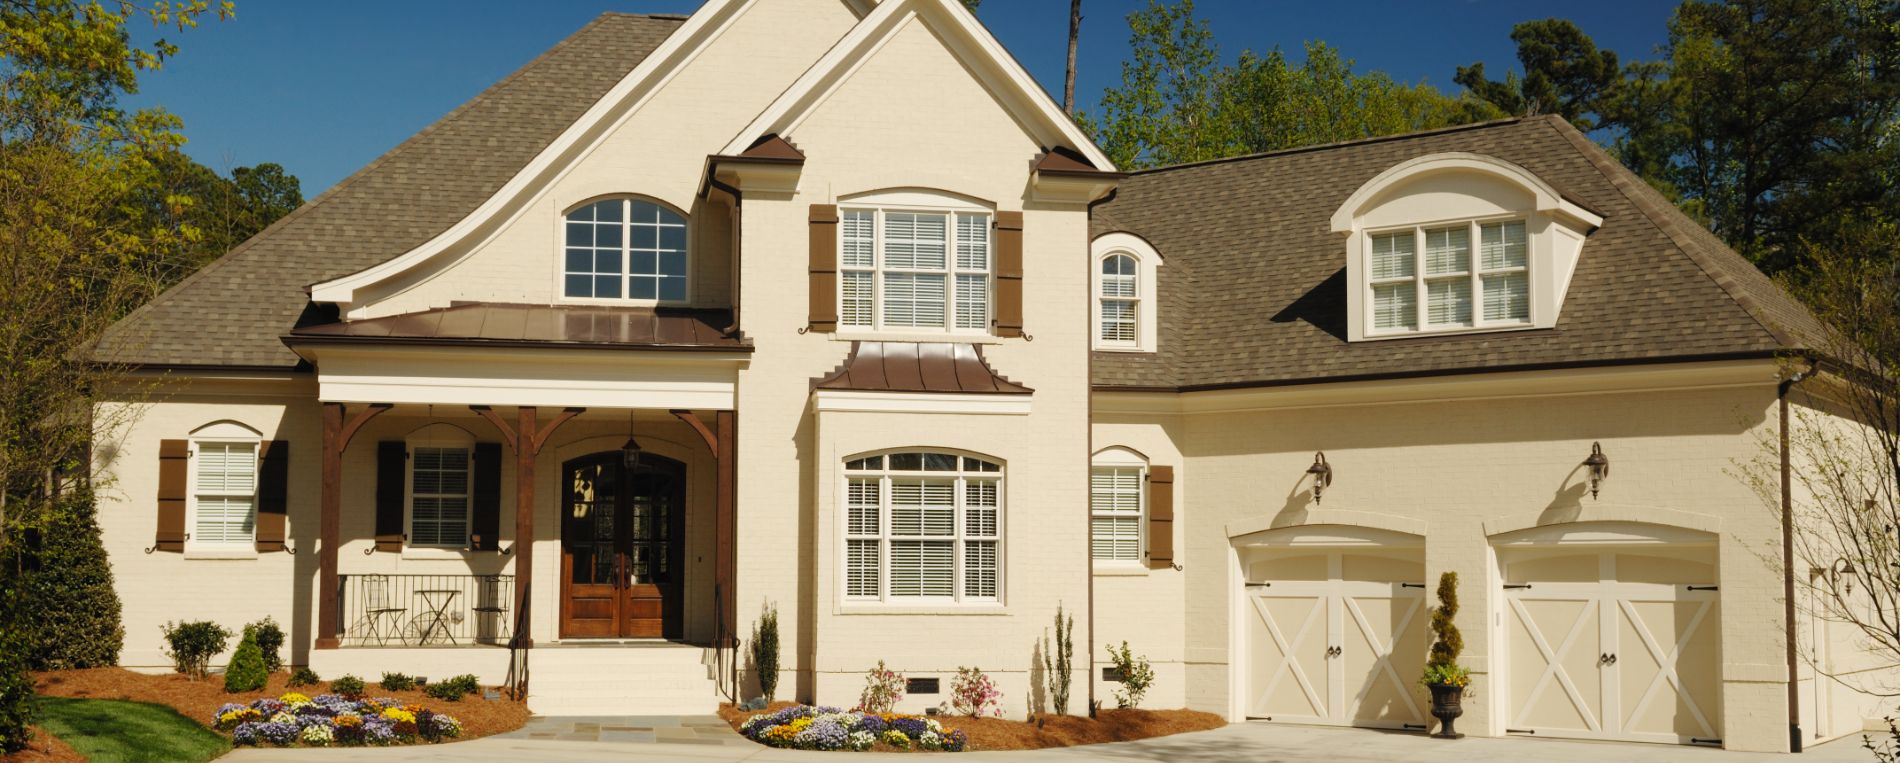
x: 1520, y: 731
x: 1693, y: 740
x: 1510, y: 586
x: 1704, y: 587
x: 1259, y: 585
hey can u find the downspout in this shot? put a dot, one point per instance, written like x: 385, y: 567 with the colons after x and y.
x: 1787, y: 559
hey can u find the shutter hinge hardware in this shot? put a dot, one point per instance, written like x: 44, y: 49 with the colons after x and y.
x: 1704, y: 587
x: 154, y: 546
x: 1411, y: 585
x: 1514, y: 586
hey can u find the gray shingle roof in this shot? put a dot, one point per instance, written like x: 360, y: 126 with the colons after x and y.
x: 233, y: 312
x: 1253, y: 290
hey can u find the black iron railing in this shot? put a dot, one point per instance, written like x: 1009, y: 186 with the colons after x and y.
x: 426, y: 610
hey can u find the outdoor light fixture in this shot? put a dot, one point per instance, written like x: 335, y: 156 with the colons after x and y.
x: 630, y: 450
x: 1599, y: 465
x: 1322, y: 475
x: 1841, y: 568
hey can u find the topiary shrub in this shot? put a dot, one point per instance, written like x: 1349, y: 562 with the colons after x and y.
x: 1441, y: 667
x: 16, y: 684
x: 192, y: 645
x: 765, y: 650
x: 398, y: 682
x: 246, y: 671
x: 68, y: 609
x: 270, y: 639
x: 304, y: 677
x: 348, y: 686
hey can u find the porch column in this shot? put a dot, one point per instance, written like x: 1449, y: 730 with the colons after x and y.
x: 526, y: 437
x: 722, y: 440
x: 337, y: 432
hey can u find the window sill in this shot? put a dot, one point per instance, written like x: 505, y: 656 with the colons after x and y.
x: 1120, y: 570
x: 1490, y: 329
x: 1120, y: 348
x: 860, y: 335
x: 227, y: 554
x: 427, y: 553
x: 873, y: 608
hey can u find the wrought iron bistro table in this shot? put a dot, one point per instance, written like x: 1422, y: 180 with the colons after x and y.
x: 436, y: 613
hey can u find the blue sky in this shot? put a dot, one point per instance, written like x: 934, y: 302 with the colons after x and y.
x: 323, y: 88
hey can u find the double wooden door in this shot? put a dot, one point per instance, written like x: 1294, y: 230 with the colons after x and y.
x: 622, y: 547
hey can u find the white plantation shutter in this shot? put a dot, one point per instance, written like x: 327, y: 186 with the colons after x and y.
x: 1115, y: 509
x: 928, y: 527
x: 226, y: 493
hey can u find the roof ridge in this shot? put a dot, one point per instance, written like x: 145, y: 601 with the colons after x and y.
x: 1339, y: 144
x: 1627, y: 183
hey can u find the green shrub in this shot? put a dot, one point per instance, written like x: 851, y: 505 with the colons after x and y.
x: 452, y: 690
x: 68, y: 610
x: 16, y: 685
x: 192, y: 645
x: 270, y: 639
x: 1057, y: 656
x: 398, y: 682
x: 348, y: 686
x: 765, y: 651
x: 304, y: 677
x: 1137, y: 675
x: 1441, y: 667
x: 246, y: 670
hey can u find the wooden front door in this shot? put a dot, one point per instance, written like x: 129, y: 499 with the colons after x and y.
x: 622, y: 539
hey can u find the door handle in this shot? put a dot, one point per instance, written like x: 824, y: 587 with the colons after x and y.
x: 1606, y: 658
x: 1333, y: 651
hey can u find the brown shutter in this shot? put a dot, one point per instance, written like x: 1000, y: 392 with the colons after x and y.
x: 1160, y: 516
x: 485, y: 517
x: 1009, y: 274
x: 273, y: 489
x: 824, y: 268
x: 174, y: 457
x: 392, y: 461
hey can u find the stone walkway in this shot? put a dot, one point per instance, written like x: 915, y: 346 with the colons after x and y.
x: 647, y: 729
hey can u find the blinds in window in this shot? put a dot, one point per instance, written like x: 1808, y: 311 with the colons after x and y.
x: 225, y: 493
x: 1504, y: 254
x: 913, y: 300
x: 928, y: 527
x: 439, y: 497
x: 1115, y: 506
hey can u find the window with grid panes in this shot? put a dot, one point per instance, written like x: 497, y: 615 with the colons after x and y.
x: 923, y: 527
x: 1426, y: 278
x: 1115, y: 513
x: 439, y: 496
x: 1120, y: 300
x: 910, y: 270
x: 224, y: 493
x: 627, y: 249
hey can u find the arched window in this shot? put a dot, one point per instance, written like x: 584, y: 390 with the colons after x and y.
x: 1124, y: 284
x: 625, y: 249
x: 923, y: 527
x: 1120, y: 300
x: 1117, y: 505
x: 224, y: 485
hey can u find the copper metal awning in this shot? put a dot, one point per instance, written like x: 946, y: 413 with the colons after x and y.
x: 510, y: 325
x: 918, y: 367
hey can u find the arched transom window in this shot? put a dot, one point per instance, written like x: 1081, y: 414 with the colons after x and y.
x: 625, y: 249
x: 923, y: 527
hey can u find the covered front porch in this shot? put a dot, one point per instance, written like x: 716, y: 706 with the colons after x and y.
x: 510, y: 494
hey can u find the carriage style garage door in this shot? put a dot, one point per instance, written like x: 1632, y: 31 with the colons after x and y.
x: 1609, y: 641
x: 1335, y: 635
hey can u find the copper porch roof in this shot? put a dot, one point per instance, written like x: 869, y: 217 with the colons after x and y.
x: 503, y: 325
x: 918, y: 367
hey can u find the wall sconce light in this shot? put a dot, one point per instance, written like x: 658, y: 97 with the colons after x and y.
x: 1322, y: 475
x: 1599, y: 466
x: 1841, y: 568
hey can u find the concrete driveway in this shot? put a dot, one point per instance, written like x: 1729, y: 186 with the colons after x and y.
x: 1251, y: 742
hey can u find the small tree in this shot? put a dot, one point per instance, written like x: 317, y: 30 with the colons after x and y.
x: 1057, y: 658
x: 270, y: 640
x: 1137, y: 675
x: 192, y: 645
x: 883, y: 689
x: 1441, y: 667
x: 69, y: 609
x: 246, y: 672
x: 973, y: 694
x: 765, y: 650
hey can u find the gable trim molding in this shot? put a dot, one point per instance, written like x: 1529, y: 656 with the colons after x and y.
x: 966, y: 39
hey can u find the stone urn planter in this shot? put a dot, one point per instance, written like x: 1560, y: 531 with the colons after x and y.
x: 1448, y: 702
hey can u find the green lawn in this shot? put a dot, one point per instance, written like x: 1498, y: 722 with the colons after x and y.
x: 128, y: 732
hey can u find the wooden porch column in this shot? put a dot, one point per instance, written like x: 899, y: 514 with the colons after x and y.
x: 723, y: 441
x: 337, y: 433
x: 526, y: 438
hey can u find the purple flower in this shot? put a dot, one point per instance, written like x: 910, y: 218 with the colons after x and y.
x: 268, y: 706
x: 955, y: 741
x: 912, y: 727
x: 276, y: 732
x: 871, y: 724
x: 246, y: 733
x: 825, y: 734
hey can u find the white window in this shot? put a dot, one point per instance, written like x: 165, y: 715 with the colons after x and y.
x: 1124, y: 289
x: 625, y: 249
x: 1117, y: 506
x: 914, y: 268
x: 224, y: 485
x: 1426, y: 276
x: 441, y: 458
x: 1120, y: 301
x: 923, y: 527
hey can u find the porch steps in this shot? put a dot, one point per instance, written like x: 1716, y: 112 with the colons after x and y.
x: 622, y: 679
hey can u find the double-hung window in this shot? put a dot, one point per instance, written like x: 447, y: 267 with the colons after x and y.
x: 625, y: 249
x: 923, y: 527
x: 1120, y: 301
x: 914, y: 270
x: 1427, y: 276
x: 1115, y: 513
x: 439, y: 495
x: 224, y: 493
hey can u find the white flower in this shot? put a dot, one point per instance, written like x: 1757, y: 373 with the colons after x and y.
x: 860, y: 741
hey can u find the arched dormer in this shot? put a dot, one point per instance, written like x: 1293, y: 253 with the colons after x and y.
x: 1123, y: 297
x: 1458, y: 243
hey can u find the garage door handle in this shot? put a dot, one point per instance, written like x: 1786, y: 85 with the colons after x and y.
x: 1705, y: 588
x: 1333, y: 651
x: 1514, y: 586
x: 1606, y: 659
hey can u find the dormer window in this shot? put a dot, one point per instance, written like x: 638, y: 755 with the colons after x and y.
x: 1453, y: 243
x: 629, y: 250
x: 1124, y: 293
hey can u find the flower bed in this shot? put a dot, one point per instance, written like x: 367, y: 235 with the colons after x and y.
x: 332, y: 720
x: 803, y: 727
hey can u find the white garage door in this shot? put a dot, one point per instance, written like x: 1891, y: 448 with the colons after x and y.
x: 1336, y: 637
x: 1619, y: 643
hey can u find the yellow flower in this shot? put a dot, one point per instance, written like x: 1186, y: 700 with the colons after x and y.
x: 399, y: 715
x: 293, y: 698
x: 800, y: 725
x: 347, y: 720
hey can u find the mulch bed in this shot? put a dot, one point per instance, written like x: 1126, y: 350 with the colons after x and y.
x: 45, y: 748
x: 1048, y: 730
x: 197, y: 700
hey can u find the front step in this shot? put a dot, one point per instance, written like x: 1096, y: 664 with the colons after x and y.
x: 622, y: 679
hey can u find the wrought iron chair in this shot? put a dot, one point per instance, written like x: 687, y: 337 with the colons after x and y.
x: 492, y: 602
x: 380, y: 609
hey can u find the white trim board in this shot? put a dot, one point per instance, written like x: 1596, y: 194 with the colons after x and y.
x: 855, y: 401
x: 570, y: 378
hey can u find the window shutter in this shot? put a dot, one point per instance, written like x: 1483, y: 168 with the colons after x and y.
x: 1009, y: 273
x: 273, y: 478
x: 1160, y: 516
x: 174, y: 458
x: 824, y: 268
x: 392, y: 461
x: 485, y: 519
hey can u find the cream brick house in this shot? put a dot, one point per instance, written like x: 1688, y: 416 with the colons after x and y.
x: 824, y: 304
